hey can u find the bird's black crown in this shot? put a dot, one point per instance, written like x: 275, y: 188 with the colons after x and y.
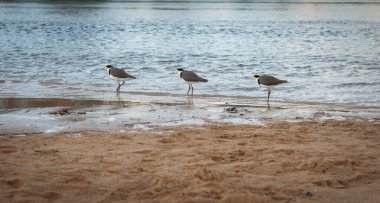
x: 256, y: 76
x: 179, y: 69
x: 109, y: 66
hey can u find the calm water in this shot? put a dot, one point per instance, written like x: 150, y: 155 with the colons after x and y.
x: 329, y: 53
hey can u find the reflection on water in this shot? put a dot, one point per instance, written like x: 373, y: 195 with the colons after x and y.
x: 190, y: 100
x: 329, y: 53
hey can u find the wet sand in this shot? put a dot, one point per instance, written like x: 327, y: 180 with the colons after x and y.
x: 332, y: 161
x: 25, y: 116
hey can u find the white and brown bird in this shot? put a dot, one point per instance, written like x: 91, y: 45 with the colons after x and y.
x: 119, y: 75
x: 269, y: 82
x: 190, y: 78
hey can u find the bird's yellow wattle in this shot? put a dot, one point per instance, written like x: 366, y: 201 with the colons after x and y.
x: 105, y: 68
x: 253, y: 78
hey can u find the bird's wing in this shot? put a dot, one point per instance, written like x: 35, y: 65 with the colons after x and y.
x: 120, y: 73
x: 270, y: 80
x: 192, y: 77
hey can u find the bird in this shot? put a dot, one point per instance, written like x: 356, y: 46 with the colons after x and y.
x: 269, y: 82
x: 190, y: 78
x: 119, y: 75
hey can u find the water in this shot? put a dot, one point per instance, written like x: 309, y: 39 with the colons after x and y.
x: 329, y: 53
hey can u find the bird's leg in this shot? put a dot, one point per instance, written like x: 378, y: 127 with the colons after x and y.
x: 192, y: 89
x: 269, y: 91
x: 118, y: 87
x: 121, y: 85
x: 188, y: 90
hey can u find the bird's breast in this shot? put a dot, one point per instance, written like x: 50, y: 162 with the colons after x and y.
x: 119, y: 79
x: 190, y: 82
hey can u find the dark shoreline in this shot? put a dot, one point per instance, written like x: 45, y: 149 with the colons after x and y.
x: 162, y: 99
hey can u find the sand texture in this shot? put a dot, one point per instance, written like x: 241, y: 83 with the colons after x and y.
x: 334, y: 161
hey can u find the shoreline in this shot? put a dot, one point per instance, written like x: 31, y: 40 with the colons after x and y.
x: 332, y: 161
x: 22, y: 116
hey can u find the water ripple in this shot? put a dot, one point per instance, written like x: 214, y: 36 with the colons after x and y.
x: 55, y: 49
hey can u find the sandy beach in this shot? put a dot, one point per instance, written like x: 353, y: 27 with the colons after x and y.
x: 332, y: 161
x: 70, y: 133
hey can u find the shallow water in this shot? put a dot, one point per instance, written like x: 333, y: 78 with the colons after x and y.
x: 329, y: 53
x: 21, y: 116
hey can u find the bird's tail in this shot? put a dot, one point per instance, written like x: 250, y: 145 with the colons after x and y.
x: 284, y: 81
x: 204, y: 80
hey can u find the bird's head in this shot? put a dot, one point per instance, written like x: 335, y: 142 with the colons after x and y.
x: 107, y: 67
x: 179, y: 71
x: 255, y: 77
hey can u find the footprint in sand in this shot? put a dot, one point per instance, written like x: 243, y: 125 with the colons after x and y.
x: 147, y: 151
x: 217, y: 158
x: 13, y: 183
x: 166, y: 140
x: 52, y: 196
x: 7, y: 149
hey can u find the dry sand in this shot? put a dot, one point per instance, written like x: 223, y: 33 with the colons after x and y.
x: 335, y: 161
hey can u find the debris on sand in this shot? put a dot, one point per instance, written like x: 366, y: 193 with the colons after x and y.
x: 64, y: 112
x: 232, y: 109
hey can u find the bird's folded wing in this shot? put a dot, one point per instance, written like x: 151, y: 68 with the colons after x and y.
x: 120, y: 73
x: 192, y: 77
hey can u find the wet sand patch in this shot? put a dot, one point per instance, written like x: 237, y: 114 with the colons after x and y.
x: 51, y: 115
